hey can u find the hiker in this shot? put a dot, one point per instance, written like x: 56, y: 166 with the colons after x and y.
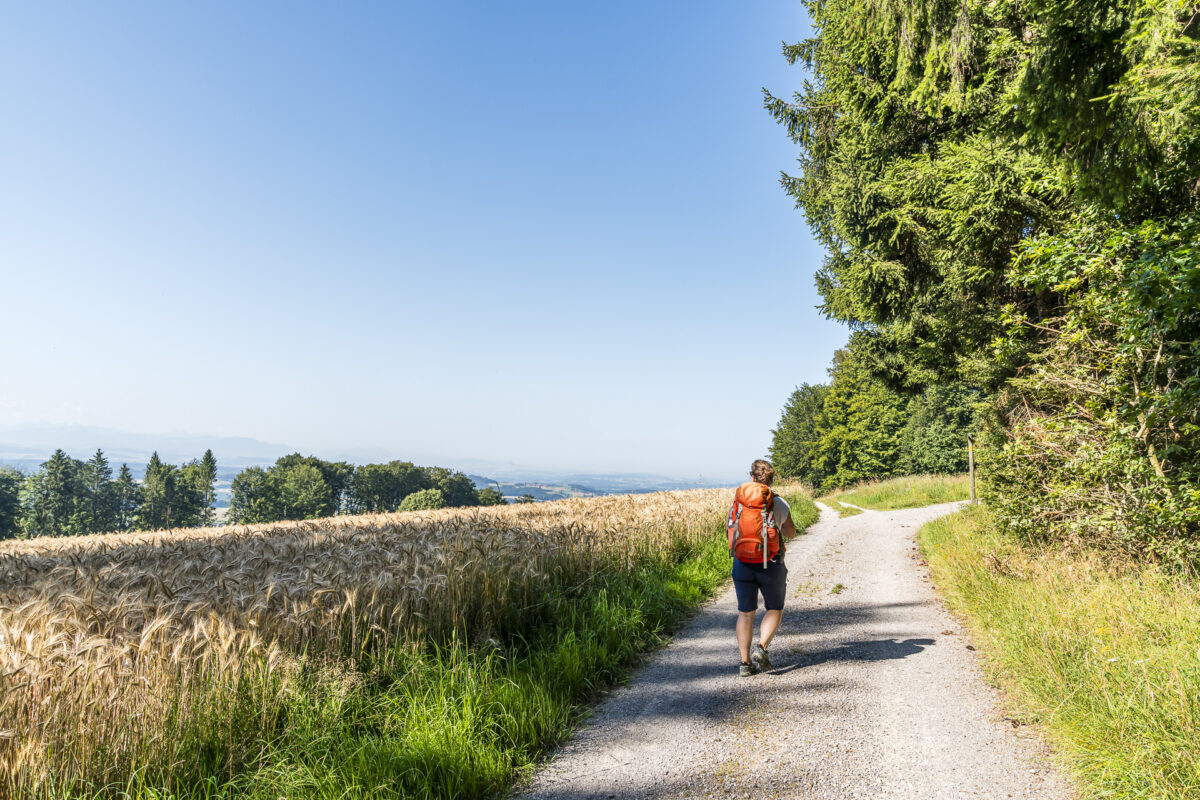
x: 758, y: 517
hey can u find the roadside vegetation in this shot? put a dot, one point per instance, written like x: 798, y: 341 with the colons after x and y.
x: 1009, y: 199
x: 425, y: 654
x: 1102, y: 656
x: 911, y: 491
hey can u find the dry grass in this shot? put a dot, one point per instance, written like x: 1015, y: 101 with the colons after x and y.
x: 115, y: 647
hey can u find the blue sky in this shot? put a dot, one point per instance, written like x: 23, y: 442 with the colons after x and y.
x: 533, y: 232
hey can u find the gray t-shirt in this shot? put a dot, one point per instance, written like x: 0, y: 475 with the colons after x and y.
x: 782, y: 511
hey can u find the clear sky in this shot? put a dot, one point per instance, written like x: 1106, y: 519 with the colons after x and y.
x: 548, y: 233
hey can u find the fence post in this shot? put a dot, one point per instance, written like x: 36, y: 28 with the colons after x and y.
x: 971, y: 464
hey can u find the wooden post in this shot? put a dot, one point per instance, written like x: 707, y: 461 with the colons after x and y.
x: 971, y: 464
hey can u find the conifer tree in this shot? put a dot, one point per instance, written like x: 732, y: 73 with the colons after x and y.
x: 208, y: 487
x: 794, y: 441
x: 127, y: 499
x: 861, y: 440
x: 158, y: 495
x: 62, y: 490
x: 97, y: 506
x: 10, y: 502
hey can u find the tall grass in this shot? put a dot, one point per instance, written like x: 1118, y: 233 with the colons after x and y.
x: 911, y: 491
x: 1106, y: 658
x: 428, y: 654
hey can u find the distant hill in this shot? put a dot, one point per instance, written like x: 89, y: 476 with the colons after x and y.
x: 26, y: 447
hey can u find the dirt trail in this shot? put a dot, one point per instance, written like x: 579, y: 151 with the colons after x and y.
x: 873, y: 694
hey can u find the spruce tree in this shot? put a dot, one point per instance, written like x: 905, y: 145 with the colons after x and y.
x: 861, y: 440
x: 10, y: 502
x: 158, y: 495
x: 208, y: 487
x: 794, y: 441
x: 98, y: 504
x: 63, y: 490
x: 127, y: 499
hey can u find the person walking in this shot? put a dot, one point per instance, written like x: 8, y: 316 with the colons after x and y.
x: 759, y: 523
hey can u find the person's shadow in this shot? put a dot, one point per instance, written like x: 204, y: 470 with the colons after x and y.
x: 868, y: 650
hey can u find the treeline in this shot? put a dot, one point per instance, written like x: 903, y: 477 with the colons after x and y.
x: 857, y: 428
x: 68, y: 497
x: 1009, y: 196
x: 306, y: 487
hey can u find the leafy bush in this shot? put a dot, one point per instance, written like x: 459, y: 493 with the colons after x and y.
x: 423, y: 500
x: 1098, y: 441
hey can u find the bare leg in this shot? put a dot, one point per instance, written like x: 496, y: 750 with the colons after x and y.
x: 745, y: 632
x: 770, y: 624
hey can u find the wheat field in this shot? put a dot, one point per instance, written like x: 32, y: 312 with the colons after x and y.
x: 114, y: 647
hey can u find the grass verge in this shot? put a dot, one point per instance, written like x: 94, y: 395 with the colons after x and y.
x: 1106, y: 660
x: 804, y: 511
x: 912, y: 491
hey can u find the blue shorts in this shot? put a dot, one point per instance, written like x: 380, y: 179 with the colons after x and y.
x: 750, y: 579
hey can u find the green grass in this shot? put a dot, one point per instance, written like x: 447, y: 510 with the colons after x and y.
x: 912, y: 491
x: 803, y: 510
x: 1106, y: 660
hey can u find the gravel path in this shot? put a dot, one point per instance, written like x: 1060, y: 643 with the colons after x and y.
x: 874, y: 694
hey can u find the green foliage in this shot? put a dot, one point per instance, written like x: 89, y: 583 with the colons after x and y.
x: 525, y: 498
x: 1007, y: 193
x: 97, y: 507
x: 10, y: 502
x: 1113, y: 90
x: 306, y: 487
x: 794, y: 439
x: 303, y: 492
x: 456, y: 487
x: 382, y: 487
x: 206, y: 486
x: 337, y: 475
x: 904, y: 181
x: 160, y: 496
x: 424, y: 499
x: 1106, y: 421
x: 857, y: 428
x: 934, y: 437
x: 50, y: 498
x: 861, y: 435
x: 127, y: 500
x: 255, y: 497
x: 491, y: 496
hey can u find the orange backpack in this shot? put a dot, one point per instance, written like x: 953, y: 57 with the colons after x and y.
x: 752, y: 522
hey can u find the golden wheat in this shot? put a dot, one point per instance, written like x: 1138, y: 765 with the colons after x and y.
x: 113, y: 644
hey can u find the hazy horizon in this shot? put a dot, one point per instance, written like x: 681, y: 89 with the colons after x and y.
x: 34, y: 443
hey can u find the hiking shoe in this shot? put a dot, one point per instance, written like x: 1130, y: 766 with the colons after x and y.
x: 745, y: 670
x: 759, y: 657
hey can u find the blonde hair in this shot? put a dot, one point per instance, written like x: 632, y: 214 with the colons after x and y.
x: 761, y: 471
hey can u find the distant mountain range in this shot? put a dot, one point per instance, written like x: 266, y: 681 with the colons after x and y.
x: 25, y: 447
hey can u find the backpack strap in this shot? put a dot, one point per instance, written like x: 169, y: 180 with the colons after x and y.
x: 731, y: 525
x: 768, y: 518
